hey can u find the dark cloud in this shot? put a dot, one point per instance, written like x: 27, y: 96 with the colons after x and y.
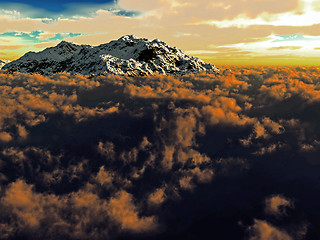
x: 229, y: 156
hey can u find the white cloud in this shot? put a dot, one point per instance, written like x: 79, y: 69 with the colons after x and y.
x: 280, y: 44
x: 305, y: 15
x: 184, y: 34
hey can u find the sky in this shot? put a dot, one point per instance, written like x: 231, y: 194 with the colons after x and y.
x: 219, y: 32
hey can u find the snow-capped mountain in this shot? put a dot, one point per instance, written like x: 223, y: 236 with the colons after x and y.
x: 3, y: 62
x: 127, y: 55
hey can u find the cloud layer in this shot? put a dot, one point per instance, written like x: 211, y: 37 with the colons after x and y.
x: 229, y: 156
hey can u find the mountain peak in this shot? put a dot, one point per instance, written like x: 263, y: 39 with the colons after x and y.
x: 68, y: 46
x: 128, y: 37
x: 129, y: 55
x: 64, y: 43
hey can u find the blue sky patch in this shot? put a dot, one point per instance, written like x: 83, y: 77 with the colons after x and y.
x: 56, y: 6
x: 294, y: 37
x: 53, y: 10
x: 35, y: 36
x: 124, y: 13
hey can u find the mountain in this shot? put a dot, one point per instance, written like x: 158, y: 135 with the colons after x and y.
x: 3, y: 62
x: 127, y: 55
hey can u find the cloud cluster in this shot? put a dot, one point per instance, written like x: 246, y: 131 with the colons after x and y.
x: 276, y: 206
x: 160, y: 156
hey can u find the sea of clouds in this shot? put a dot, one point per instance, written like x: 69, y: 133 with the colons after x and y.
x: 229, y: 156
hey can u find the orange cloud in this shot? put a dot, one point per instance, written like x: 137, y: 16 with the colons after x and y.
x: 27, y: 205
x: 117, y: 157
x: 125, y: 213
x: 276, y: 205
x: 12, y: 47
x: 157, y: 197
x: 285, y: 47
x: 264, y: 230
x: 5, y: 137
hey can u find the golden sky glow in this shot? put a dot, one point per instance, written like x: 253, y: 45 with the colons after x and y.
x: 220, y: 32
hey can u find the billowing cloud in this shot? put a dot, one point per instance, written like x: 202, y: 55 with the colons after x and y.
x: 112, y: 157
x: 276, y: 205
x: 264, y: 230
x: 124, y: 212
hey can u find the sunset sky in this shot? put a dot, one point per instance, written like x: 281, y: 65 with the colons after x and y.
x: 219, y: 32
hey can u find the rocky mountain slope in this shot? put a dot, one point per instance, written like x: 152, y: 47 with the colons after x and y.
x: 127, y: 55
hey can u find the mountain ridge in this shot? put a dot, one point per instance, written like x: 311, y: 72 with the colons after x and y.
x: 129, y: 55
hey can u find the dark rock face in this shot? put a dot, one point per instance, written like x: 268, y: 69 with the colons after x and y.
x: 148, y: 54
